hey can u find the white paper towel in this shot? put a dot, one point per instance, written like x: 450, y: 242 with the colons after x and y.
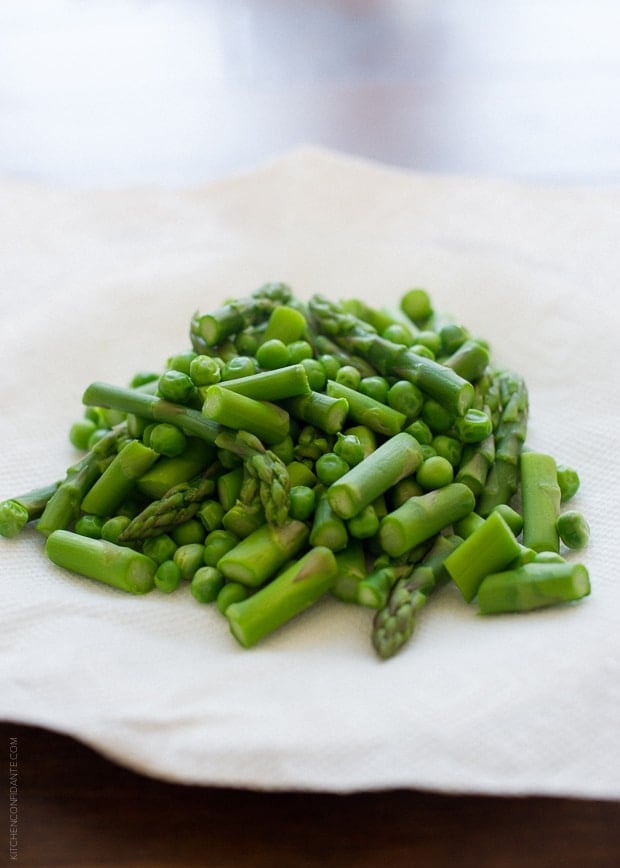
x: 100, y: 284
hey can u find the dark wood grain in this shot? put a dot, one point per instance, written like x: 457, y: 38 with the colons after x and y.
x: 76, y: 810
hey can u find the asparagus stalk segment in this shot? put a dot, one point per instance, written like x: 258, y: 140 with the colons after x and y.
x: 394, y: 624
x: 107, y: 562
x: 420, y: 518
x: 398, y: 457
x: 489, y: 549
x: 268, y: 421
x: 63, y: 506
x: 255, y: 559
x: 365, y: 410
x: 325, y: 412
x: 275, y: 385
x: 119, y: 478
x: 191, y: 422
x: 16, y: 512
x: 289, y: 594
x: 540, y: 501
x: 533, y: 586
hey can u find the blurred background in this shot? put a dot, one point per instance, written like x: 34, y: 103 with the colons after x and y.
x: 176, y: 92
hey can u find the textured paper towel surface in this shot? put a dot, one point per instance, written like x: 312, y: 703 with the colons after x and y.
x: 98, y: 285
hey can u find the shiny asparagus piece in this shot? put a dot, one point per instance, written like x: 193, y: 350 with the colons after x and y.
x: 107, y: 562
x: 540, y: 501
x: 489, y: 549
x: 420, y: 518
x: 63, y: 507
x: 16, y: 512
x: 255, y: 559
x: 394, y: 623
x: 398, y: 457
x: 533, y: 586
x: 299, y: 586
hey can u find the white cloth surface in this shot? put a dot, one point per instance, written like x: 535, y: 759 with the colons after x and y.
x: 99, y: 284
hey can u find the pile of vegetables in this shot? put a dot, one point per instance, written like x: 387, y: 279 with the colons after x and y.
x: 305, y: 448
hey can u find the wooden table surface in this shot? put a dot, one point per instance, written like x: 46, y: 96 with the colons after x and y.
x: 184, y: 92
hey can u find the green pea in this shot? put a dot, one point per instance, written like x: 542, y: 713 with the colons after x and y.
x: 159, y: 548
x: 176, y: 386
x: 238, y: 366
x: 330, y: 364
x: 316, y: 374
x: 434, y: 472
x: 406, y: 398
x: 90, y: 526
x: 206, y: 584
x: 302, y: 500
x: 348, y: 376
x: 217, y: 543
x: 81, y: 432
x: 113, y: 527
x: 329, y: 467
x: 349, y: 448
x: 167, y: 439
x: 272, y: 354
x: 298, y: 351
x: 375, y: 387
x: 190, y: 531
x: 167, y: 577
x: 398, y: 334
x: 181, y: 361
x: 188, y: 559
x: 205, y: 371
x: 142, y: 378
x: 448, y: 447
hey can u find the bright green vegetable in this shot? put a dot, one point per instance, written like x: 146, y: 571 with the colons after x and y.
x: 272, y: 354
x: 302, y: 502
x: 328, y: 528
x: 434, y: 472
x: 329, y: 467
x: 365, y: 524
x: 176, y: 386
x: 395, y: 459
x: 167, y: 439
x: 489, y: 549
x: 256, y: 558
x: 268, y: 421
x: 167, y: 576
x: 206, y: 584
x: 568, y: 480
x: 119, y: 478
x: 367, y: 411
x: 188, y: 559
x: 104, y: 561
x: 416, y: 304
x: 394, y: 623
x: 324, y: 411
x: 63, y: 507
x: 420, y: 518
x: 351, y: 564
x: 18, y: 511
x: 533, y: 586
x: 113, y: 527
x: 231, y: 592
x: 178, y: 505
x: 573, y: 529
x: 540, y: 501
x: 285, y: 382
x: 217, y: 543
x: 159, y: 548
x: 293, y: 591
